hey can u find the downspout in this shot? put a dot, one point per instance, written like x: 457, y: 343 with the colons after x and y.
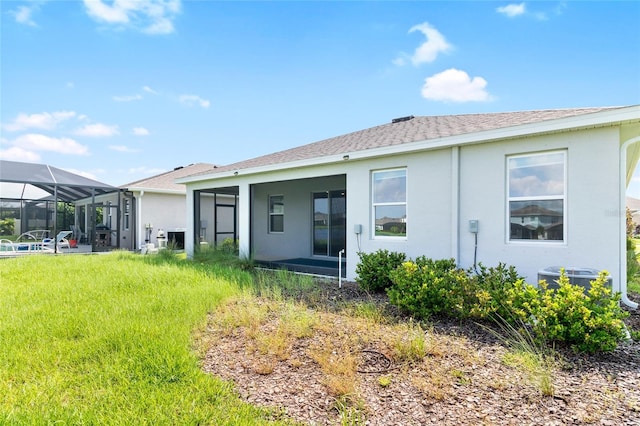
x: 623, y: 223
x: 455, y: 203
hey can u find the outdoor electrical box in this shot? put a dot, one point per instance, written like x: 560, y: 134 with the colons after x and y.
x: 473, y: 226
x: 357, y: 229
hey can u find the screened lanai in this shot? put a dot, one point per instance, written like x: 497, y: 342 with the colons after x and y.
x: 42, y: 197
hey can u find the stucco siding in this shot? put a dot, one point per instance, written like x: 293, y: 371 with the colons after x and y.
x: 164, y: 211
x: 428, y: 206
x: 592, y: 216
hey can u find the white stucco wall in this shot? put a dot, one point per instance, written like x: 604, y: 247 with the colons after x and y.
x: 593, y: 215
x: 429, y: 201
x: 163, y: 211
x: 446, y: 188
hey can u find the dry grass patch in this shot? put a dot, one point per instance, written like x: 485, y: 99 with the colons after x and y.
x: 352, y: 359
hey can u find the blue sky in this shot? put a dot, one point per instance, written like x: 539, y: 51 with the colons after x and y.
x: 122, y: 90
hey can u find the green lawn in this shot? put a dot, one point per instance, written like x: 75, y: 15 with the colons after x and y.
x: 108, y: 340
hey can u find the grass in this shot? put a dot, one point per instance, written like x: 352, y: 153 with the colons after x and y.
x: 526, y: 354
x: 108, y: 339
x: 633, y: 284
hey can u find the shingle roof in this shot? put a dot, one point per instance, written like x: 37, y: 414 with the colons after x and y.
x: 166, y: 181
x: 420, y: 128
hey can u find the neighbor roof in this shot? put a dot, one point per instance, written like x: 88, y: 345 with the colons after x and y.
x: 166, y: 181
x: 404, y: 131
x: 69, y: 186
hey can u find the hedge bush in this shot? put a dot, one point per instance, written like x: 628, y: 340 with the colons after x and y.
x: 589, y: 321
x: 374, y: 268
x: 426, y: 287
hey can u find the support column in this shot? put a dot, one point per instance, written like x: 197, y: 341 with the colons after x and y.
x: 244, y: 222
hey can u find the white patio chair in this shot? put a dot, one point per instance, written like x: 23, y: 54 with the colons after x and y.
x: 60, y: 240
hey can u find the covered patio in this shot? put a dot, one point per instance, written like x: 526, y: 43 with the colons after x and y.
x: 39, y: 197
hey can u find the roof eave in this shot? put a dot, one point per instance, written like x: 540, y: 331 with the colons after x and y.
x: 156, y: 190
x: 598, y: 119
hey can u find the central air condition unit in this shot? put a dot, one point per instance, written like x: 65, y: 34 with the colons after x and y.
x: 577, y: 276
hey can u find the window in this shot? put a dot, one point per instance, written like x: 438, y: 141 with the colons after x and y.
x: 536, y: 196
x: 389, y: 203
x: 108, y: 214
x: 127, y: 210
x: 276, y: 213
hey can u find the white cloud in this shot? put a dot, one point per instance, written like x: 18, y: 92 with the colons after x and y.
x: 127, y: 98
x: 149, y: 90
x: 103, y: 12
x: 46, y: 121
x: 427, y: 51
x: 23, y: 14
x: 193, y: 100
x: 140, y: 131
x: 15, y: 153
x: 455, y: 86
x: 560, y: 8
x: 512, y: 10
x: 122, y: 148
x: 97, y: 130
x: 37, y: 142
x: 540, y: 16
x: 147, y: 16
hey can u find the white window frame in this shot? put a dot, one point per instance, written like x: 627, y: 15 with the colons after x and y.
x: 562, y: 197
x: 395, y: 203
x: 275, y: 213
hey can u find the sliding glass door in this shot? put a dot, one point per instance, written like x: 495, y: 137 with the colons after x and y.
x: 329, y: 222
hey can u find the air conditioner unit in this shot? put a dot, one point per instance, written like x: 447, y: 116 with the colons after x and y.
x: 577, y: 276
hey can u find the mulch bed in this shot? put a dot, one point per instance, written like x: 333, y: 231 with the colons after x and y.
x: 600, y: 389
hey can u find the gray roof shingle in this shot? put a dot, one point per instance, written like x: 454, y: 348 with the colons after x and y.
x: 420, y: 128
x: 166, y: 181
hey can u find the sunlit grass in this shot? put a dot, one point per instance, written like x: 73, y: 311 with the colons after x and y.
x: 109, y: 340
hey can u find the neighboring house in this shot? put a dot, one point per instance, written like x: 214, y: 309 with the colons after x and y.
x: 531, y: 189
x: 156, y: 205
x: 633, y: 204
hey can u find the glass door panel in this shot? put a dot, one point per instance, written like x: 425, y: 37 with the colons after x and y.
x: 329, y: 223
x: 337, y: 222
x: 321, y: 224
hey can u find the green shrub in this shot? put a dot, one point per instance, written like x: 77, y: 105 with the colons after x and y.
x: 426, y: 287
x: 7, y: 226
x: 589, y: 321
x: 374, y: 268
x: 493, y: 291
x: 229, y: 245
